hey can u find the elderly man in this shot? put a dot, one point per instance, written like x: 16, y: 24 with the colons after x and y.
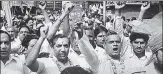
x: 60, y: 44
x: 112, y: 64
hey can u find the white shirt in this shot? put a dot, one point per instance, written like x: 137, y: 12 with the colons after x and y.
x: 111, y: 66
x: 14, y: 66
x: 52, y: 65
x: 126, y: 47
x: 22, y: 59
x: 78, y: 59
x: 101, y: 53
x: 134, y: 62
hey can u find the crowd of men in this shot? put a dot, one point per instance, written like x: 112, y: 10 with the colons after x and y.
x: 88, y: 47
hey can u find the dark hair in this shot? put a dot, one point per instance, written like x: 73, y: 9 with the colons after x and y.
x: 28, y: 38
x: 99, y: 29
x: 111, y: 32
x: 124, y: 19
x: 133, y: 18
x: 25, y: 27
x: 75, y: 70
x: 43, y: 54
x: 135, y: 35
x: 27, y: 20
x: 56, y: 37
x: 1, y: 31
x: 124, y: 25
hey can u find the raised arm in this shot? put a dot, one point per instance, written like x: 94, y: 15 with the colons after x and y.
x: 89, y: 52
x: 31, y: 57
x: 118, y: 6
x: 144, y: 7
x: 42, y: 6
x: 56, y: 25
x: 66, y: 25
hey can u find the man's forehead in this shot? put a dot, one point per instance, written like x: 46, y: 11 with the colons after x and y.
x: 89, y: 32
x: 113, y: 37
x: 24, y: 29
x: 139, y: 39
x: 4, y: 36
x: 62, y: 41
x: 10, y: 28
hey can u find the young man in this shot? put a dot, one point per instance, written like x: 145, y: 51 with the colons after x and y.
x: 100, y: 34
x: 139, y: 56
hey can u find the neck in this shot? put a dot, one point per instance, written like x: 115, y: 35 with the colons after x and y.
x: 78, y: 52
x: 64, y: 61
x: 12, y: 39
x: 116, y: 58
x: 4, y: 60
x: 100, y: 46
x: 139, y: 55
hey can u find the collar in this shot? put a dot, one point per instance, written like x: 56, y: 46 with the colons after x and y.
x: 11, y: 58
x: 81, y: 55
x: 147, y: 55
x: 98, y: 48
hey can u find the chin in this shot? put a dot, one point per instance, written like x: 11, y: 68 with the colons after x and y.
x: 4, y: 56
x: 62, y: 58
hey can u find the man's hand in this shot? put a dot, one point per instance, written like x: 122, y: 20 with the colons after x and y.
x: 145, y: 6
x: 44, y: 31
x: 68, y: 7
x: 21, y: 50
x: 119, y: 5
x: 42, y: 5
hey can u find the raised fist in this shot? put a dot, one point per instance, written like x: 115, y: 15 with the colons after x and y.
x: 119, y: 5
x: 44, y: 31
x: 68, y: 7
x: 145, y: 6
x: 42, y: 5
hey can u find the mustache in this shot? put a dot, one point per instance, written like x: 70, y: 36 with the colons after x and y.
x: 138, y: 47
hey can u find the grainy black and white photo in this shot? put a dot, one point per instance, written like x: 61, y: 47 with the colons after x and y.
x: 81, y: 37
